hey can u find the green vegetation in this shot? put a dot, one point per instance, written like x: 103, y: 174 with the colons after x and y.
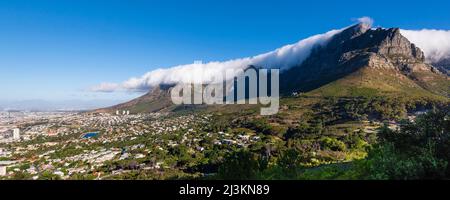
x: 358, y: 127
x: 418, y: 150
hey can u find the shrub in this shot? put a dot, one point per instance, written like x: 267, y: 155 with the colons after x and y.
x: 385, y: 162
x: 291, y: 160
x: 241, y: 165
x: 332, y: 144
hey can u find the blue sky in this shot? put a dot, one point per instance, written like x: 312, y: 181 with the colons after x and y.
x: 56, y: 50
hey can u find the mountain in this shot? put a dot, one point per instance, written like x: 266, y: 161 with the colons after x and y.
x: 358, y: 61
x: 158, y: 99
x: 360, y: 58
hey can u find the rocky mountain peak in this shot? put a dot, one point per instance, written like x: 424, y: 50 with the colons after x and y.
x: 390, y: 49
x: 381, y: 48
x: 396, y: 46
x: 354, y: 48
x: 348, y: 34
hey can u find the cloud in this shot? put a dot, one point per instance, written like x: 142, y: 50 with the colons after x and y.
x: 106, y: 87
x: 282, y: 58
x: 366, y: 20
x: 434, y: 43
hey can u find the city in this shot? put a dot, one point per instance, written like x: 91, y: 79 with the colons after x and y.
x: 67, y: 144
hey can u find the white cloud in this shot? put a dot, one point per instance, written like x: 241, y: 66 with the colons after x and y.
x: 105, y: 87
x: 366, y: 20
x: 434, y: 43
x: 283, y: 58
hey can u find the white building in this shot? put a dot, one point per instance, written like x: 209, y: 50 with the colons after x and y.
x: 2, y: 170
x: 16, y: 134
x: 3, y: 165
x: 124, y: 112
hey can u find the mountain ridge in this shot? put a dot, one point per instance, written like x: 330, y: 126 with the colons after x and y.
x: 346, y: 54
x: 384, y: 59
x: 157, y: 99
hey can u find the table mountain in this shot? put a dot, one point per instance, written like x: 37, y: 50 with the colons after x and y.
x: 359, y: 61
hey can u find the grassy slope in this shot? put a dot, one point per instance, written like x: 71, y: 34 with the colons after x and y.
x: 367, y: 83
x: 370, y: 82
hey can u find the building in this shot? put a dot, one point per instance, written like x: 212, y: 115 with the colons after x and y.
x: 124, y: 112
x: 16, y: 134
x: 52, y: 132
x: 2, y: 170
x: 4, y: 165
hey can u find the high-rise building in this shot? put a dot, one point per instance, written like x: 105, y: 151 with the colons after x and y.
x: 16, y: 134
x: 128, y: 112
x: 117, y: 112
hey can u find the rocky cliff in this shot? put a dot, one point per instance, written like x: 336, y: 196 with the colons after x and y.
x: 355, y: 48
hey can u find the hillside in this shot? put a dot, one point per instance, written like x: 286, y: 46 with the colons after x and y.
x: 156, y: 100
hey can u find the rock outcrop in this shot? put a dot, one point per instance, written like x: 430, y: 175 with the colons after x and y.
x: 352, y: 49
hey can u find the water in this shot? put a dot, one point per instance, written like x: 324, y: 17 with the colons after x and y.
x: 91, y: 134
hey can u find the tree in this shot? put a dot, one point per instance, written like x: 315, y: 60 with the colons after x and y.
x: 290, y: 161
x: 419, y: 150
x: 47, y: 175
x: 241, y: 165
